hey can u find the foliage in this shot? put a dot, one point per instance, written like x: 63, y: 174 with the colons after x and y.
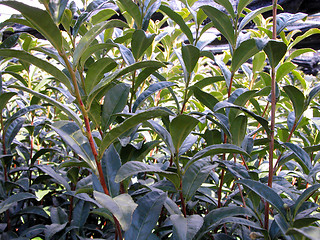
x: 133, y: 129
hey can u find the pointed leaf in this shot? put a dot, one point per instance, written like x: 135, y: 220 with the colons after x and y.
x: 122, y: 207
x: 140, y: 42
x: 180, y: 128
x: 284, y: 70
x: 275, y: 51
x: 222, y: 22
x: 5, y: 98
x: 205, y: 98
x: 42, y: 64
x: 133, y: 9
x: 190, y: 55
x: 238, y: 129
x: 303, y: 197
x: 310, y: 232
x: 246, y: 50
x: 134, y: 167
x: 151, y: 90
x: 227, y: 5
x: 297, y: 99
x: 129, y: 123
x: 241, y: 5
x: 179, y: 20
x: 146, y: 215
x: 286, y: 19
x: 13, y: 199
x: 304, y: 36
x: 185, y: 228
x: 266, y: 193
x: 41, y: 21
x: 88, y: 38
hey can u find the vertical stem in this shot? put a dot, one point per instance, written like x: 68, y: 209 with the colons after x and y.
x: 273, y: 116
x: 185, y: 96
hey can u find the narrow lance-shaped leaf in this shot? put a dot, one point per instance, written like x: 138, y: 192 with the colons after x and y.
x: 151, y: 89
x: 241, y: 5
x: 205, y: 98
x: 133, y: 9
x: 17, y: 197
x: 56, y: 176
x: 222, y: 22
x: 228, y: 6
x: 41, y: 20
x: 88, y: 38
x: 179, y: 20
x: 57, y: 104
x: 42, y: 64
x: 190, y: 55
x: 134, y: 167
x: 303, y: 156
x: 129, y: 123
x: 238, y: 129
x: 246, y: 50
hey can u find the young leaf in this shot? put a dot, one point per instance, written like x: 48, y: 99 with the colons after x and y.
x: 122, y: 207
x: 286, y: 19
x: 303, y: 36
x: 227, y: 5
x: 310, y: 232
x: 88, y: 38
x: 284, y: 70
x: 129, y: 123
x: 140, y: 42
x: 134, y: 167
x: 180, y: 128
x: 205, y: 98
x: 222, y: 22
x: 297, y: 99
x: 179, y: 20
x: 241, y: 5
x: 146, y: 215
x: 151, y: 90
x: 133, y: 9
x: 190, y: 55
x: 40, y: 20
x: 5, y: 98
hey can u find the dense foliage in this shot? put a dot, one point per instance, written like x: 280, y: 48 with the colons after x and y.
x: 134, y: 129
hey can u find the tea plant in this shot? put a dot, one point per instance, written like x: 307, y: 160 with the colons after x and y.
x: 133, y: 129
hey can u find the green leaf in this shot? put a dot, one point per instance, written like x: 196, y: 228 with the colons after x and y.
x: 180, y: 128
x: 133, y: 9
x: 56, y: 176
x: 57, y: 8
x: 5, y: 98
x: 302, y: 155
x: 122, y: 207
x: 42, y: 64
x: 140, y: 42
x: 88, y: 38
x: 303, y: 197
x: 246, y: 50
x: 185, y: 228
x: 110, y: 164
x: 114, y: 102
x: 250, y: 16
x: 163, y: 133
x: 12, y: 131
x: 134, y: 167
x: 73, y: 136
x: 216, y: 215
x: 241, y: 5
x: 261, y: 120
x: 151, y: 90
x: 129, y: 123
x: 286, y: 19
x: 217, y: 149
x: 96, y: 72
x: 57, y: 104
x: 284, y: 69
x: 298, y: 52
x: 40, y: 20
x: 103, y: 15
x: 266, y: 193
x: 238, y: 129
x: 195, y: 175
x: 311, y: 232
x: 313, y: 92
x: 146, y: 215
x: 227, y: 5
x: 179, y: 20
x: 297, y: 99
x: 275, y: 51
x: 222, y: 22
x: 17, y: 197
x: 205, y: 98
x: 304, y: 36
x: 190, y: 56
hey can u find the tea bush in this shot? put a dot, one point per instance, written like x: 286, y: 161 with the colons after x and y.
x: 134, y: 129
